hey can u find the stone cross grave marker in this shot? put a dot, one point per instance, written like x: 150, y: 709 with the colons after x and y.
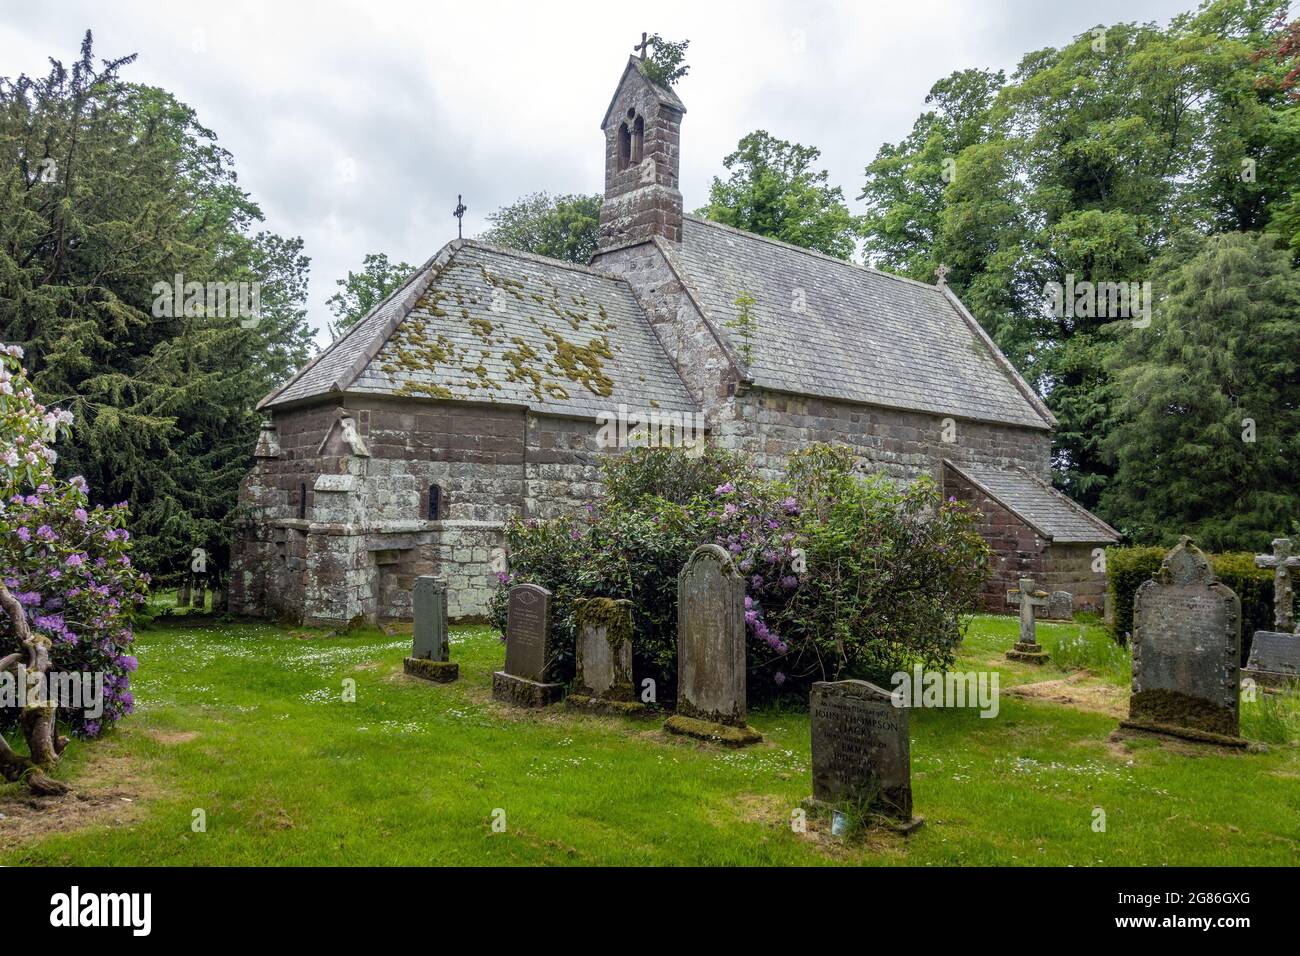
x: 1186, y: 652
x: 603, y: 657
x: 430, y: 654
x: 1028, y: 598
x: 860, y: 751
x: 711, y: 650
x: 528, y: 650
x: 1281, y: 561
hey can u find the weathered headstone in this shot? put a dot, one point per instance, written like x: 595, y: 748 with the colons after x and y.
x: 1060, y: 606
x: 860, y: 751
x: 1281, y: 561
x: 528, y: 650
x: 1274, y: 658
x: 1186, y: 652
x: 430, y: 654
x: 1028, y: 598
x: 711, y: 650
x: 603, y: 657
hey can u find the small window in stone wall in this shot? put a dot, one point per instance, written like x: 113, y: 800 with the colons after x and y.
x: 435, y: 503
x: 302, y: 500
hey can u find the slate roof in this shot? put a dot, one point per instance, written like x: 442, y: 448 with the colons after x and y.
x: 863, y: 336
x: 1054, y: 515
x: 489, y: 324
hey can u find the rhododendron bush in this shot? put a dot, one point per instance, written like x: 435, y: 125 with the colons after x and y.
x: 845, y: 574
x: 68, y: 590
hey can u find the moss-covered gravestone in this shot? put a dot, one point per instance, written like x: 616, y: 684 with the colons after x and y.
x: 711, y: 650
x: 861, y: 755
x: 1186, y: 652
x: 603, y: 658
x: 529, y: 654
x: 430, y: 654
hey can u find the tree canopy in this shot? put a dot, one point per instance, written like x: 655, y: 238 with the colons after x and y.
x: 111, y: 194
x: 562, y: 227
x: 362, y: 291
x: 773, y: 190
x: 1080, y: 169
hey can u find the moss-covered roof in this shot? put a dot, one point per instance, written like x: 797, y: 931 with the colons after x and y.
x: 489, y: 324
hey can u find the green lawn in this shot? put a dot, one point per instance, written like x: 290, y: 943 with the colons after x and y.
x: 246, y: 723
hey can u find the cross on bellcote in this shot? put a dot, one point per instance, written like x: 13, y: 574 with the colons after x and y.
x: 642, y: 45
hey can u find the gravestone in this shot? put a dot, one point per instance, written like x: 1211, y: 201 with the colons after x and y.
x: 523, y: 682
x: 430, y: 655
x: 1186, y: 652
x: 711, y: 650
x: 1028, y: 598
x: 603, y: 658
x: 860, y: 751
x: 1060, y: 606
x: 1274, y: 659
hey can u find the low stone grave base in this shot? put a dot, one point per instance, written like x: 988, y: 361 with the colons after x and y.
x: 725, y: 734
x: 440, y: 672
x: 1185, y: 733
x: 610, y: 708
x: 1273, y: 680
x: 522, y: 692
x: 1028, y: 653
x: 883, y: 821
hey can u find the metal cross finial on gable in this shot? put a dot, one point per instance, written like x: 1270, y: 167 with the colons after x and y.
x: 942, y: 273
x: 459, y: 213
x: 1281, y: 561
x: 642, y: 45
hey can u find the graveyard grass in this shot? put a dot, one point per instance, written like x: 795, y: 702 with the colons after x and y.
x: 246, y: 723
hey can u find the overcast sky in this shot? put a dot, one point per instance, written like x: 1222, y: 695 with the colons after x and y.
x: 355, y: 125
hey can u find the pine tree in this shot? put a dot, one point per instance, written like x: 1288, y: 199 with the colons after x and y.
x: 1207, y: 427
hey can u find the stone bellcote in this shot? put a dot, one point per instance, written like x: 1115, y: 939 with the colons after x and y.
x: 642, y: 130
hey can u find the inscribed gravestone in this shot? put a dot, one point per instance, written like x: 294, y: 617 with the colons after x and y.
x: 1186, y: 651
x: 430, y: 654
x: 528, y: 649
x: 711, y: 647
x: 860, y: 749
x: 603, y: 650
x: 1060, y: 606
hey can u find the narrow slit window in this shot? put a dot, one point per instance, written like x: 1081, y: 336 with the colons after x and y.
x: 302, y: 500
x: 435, y: 503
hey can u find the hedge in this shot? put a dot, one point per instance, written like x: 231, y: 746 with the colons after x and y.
x: 1127, y: 568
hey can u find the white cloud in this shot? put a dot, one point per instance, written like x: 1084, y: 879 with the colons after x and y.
x: 355, y: 125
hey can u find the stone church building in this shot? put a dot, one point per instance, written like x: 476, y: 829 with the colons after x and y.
x: 476, y: 392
